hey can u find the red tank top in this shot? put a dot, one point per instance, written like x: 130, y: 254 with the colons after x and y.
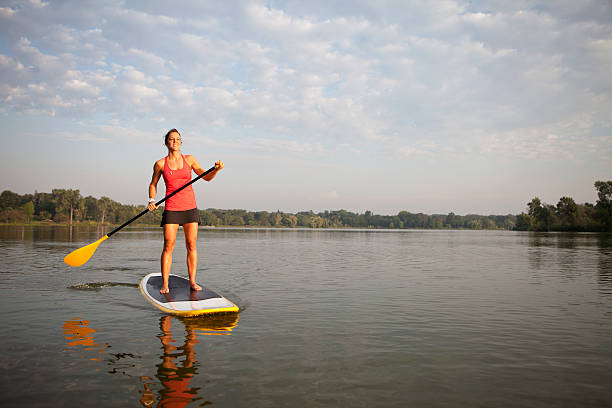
x: 175, y: 179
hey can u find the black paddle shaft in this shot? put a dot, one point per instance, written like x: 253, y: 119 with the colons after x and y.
x: 162, y: 200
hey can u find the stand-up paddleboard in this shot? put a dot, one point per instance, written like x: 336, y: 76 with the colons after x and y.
x: 182, y: 301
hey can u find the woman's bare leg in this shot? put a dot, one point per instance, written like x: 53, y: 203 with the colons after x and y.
x: 166, y: 257
x: 191, y: 238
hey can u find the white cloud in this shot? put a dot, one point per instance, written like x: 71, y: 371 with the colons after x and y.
x: 149, y: 59
x: 38, y: 3
x: 432, y: 80
x: 131, y: 17
x: 10, y: 64
x: 276, y: 20
x: 81, y: 87
x: 6, y: 12
x: 44, y: 64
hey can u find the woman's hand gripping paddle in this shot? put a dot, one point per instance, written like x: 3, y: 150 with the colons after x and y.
x: 79, y: 256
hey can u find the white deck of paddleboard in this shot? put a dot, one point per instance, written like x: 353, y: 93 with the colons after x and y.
x: 181, y: 300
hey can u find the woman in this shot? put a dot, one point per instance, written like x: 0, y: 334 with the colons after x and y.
x: 181, y: 209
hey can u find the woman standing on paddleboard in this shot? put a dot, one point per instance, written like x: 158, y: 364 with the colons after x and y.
x: 181, y: 209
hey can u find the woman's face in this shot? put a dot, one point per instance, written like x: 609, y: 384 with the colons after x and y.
x: 174, y: 141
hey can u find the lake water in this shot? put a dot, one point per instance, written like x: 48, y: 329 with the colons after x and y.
x: 328, y: 318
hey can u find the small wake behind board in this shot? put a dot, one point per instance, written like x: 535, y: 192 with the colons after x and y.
x: 182, y: 301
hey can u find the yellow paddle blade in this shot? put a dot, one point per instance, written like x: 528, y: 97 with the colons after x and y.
x: 79, y: 256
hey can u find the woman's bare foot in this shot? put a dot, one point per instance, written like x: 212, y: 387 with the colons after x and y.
x: 195, y: 286
x: 164, y: 290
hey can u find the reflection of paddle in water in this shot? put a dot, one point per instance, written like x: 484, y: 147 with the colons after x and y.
x: 178, y: 364
x: 175, y: 375
x: 78, y: 333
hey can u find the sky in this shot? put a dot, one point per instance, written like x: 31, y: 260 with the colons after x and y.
x: 383, y: 105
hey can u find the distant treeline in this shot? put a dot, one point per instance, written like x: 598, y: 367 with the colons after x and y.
x: 569, y: 216
x: 65, y: 207
x: 69, y: 207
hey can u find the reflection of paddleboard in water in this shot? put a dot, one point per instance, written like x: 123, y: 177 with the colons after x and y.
x: 181, y: 300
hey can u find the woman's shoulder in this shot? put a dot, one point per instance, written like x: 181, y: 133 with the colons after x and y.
x: 189, y: 159
x: 160, y: 163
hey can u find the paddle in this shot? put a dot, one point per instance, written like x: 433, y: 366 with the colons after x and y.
x: 79, y: 256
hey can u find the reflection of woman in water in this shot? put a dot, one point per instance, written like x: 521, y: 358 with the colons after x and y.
x: 176, y: 392
x: 174, y: 379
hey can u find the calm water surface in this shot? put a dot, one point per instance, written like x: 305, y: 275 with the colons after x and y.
x: 328, y: 318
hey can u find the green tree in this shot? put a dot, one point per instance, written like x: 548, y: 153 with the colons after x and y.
x: 249, y: 218
x: 104, y: 204
x: 12, y: 215
x: 67, y: 200
x: 277, y: 218
x: 541, y: 215
x: 74, y: 202
x: 534, y: 206
x: 604, y: 193
x: 8, y: 199
x: 28, y: 210
x: 523, y: 222
x: 262, y: 218
x: 509, y: 223
x: 44, y: 205
x: 289, y: 220
x: 475, y: 224
x: 90, y: 208
x: 567, y: 211
x: 316, y: 221
x: 603, y: 208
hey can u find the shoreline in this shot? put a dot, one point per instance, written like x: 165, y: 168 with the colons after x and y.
x: 279, y: 227
x: 106, y: 225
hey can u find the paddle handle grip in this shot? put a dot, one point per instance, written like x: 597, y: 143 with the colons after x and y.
x: 162, y: 200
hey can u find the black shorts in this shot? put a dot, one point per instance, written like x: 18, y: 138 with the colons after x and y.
x: 180, y: 217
